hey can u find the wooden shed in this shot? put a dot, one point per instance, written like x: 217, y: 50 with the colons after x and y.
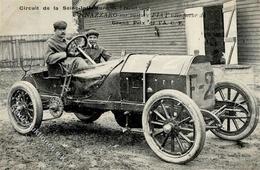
x: 220, y: 29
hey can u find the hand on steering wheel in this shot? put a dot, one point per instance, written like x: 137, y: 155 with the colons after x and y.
x: 73, y: 52
x: 74, y: 44
x: 74, y: 47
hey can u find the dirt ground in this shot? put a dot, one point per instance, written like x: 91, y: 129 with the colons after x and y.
x: 69, y: 144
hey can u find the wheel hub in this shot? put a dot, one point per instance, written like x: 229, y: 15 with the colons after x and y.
x: 167, y: 128
x: 20, y: 108
x: 170, y: 126
x: 56, y: 107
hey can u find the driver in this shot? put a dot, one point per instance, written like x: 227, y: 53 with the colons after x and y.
x: 55, y: 52
x: 93, y: 49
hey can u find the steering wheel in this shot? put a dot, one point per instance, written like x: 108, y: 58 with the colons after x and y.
x: 75, y: 45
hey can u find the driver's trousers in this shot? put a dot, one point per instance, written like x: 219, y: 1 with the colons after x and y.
x: 72, y: 64
x: 56, y: 55
x: 75, y: 64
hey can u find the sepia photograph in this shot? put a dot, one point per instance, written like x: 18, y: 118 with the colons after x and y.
x: 129, y: 84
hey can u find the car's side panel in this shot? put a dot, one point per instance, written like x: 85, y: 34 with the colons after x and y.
x: 45, y: 84
x: 131, y: 85
x: 202, y: 85
x: 157, y: 82
x: 110, y: 88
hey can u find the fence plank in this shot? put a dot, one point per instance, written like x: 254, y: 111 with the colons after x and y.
x: 22, y: 47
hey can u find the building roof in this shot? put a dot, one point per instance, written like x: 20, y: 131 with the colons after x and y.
x: 86, y: 3
x: 92, y: 3
x: 101, y: 2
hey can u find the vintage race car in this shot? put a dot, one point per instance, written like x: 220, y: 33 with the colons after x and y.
x: 173, y: 98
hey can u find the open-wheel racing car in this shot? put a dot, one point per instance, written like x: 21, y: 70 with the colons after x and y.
x: 174, y: 99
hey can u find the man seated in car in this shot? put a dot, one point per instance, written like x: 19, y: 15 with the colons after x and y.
x: 93, y: 49
x: 55, y: 52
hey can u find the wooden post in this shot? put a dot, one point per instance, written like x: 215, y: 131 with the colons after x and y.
x: 18, y: 52
x: 13, y: 54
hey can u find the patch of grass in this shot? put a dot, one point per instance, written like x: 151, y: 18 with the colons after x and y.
x: 7, y: 79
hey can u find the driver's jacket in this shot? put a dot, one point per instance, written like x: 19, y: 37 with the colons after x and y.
x: 55, y: 50
x: 55, y: 54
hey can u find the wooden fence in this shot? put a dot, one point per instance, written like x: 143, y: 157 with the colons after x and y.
x: 22, y: 48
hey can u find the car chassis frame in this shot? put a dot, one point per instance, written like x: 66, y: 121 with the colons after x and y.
x: 173, y: 124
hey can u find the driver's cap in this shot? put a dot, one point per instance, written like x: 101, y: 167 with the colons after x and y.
x: 92, y: 32
x: 60, y: 25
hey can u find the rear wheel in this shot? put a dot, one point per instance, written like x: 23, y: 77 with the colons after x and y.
x: 24, y: 107
x: 240, y: 116
x: 173, y: 126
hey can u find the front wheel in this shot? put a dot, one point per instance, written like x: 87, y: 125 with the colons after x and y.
x: 173, y: 126
x: 24, y: 107
x: 240, y: 115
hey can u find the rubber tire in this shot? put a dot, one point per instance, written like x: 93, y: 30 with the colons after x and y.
x: 37, y: 105
x: 196, y: 115
x: 85, y: 118
x: 253, y: 104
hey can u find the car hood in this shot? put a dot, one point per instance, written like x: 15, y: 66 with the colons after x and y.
x: 158, y: 64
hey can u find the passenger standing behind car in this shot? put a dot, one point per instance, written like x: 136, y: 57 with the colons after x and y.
x: 56, y: 51
x: 93, y: 49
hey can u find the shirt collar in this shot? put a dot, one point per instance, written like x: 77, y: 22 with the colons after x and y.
x: 59, y: 39
x: 90, y: 46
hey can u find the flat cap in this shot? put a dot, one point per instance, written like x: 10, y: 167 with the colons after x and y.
x: 60, y: 25
x: 92, y: 32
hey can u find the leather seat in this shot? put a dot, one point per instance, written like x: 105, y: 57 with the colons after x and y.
x: 55, y: 70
